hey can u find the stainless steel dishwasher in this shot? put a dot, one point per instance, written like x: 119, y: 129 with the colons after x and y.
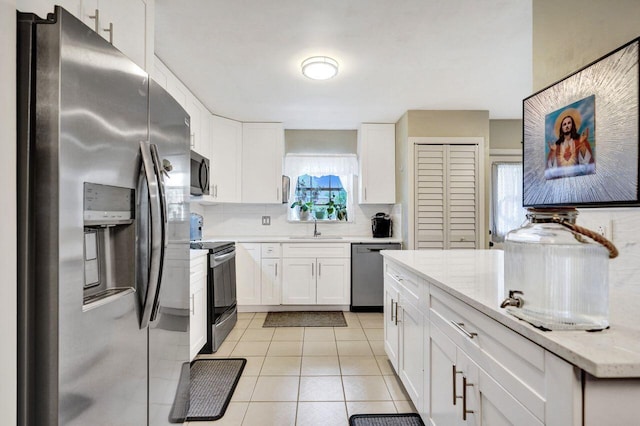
x: 367, y: 279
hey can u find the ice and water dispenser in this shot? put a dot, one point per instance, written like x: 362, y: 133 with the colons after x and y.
x: 109, y: 243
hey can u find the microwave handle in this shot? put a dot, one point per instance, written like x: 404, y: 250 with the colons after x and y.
x: 203, y: 170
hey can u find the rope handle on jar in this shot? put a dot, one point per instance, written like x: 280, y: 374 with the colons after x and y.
x: 613, y: 251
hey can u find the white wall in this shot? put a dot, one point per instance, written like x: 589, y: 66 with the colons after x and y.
x: 8, y: 302
x: 242, y: 220
x: 597, y: 27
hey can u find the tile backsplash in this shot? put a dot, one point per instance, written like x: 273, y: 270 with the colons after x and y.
x: 241, y: 220
x: 625, y: 233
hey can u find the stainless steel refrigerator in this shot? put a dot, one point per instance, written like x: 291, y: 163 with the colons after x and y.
x: 103, y: 172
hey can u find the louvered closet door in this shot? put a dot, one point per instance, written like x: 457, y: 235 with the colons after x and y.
x: 430, y: 196
x: 446, y: 196
x: 463, y: 195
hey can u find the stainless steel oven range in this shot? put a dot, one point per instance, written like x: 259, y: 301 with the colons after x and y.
x: 222, y: 313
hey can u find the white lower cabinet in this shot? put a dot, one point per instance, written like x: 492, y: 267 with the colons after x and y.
x: 461, y: 367
x: 464, y: 394
x: 271, y: 281
x: 258, y: 274
x: 248, y: 274
x: 403, y: 331
x: 316, y: 274
x: 391, y: 329
x: 411, y: 362
x: 197, y: 305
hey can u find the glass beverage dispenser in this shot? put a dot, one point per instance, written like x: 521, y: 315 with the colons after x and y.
x: 556, y: 273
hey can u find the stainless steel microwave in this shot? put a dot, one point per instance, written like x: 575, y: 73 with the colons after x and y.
x: 199, y: 174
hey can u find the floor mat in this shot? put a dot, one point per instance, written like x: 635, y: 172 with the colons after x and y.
x: 385, y: 420
x: 212, y: 384
x: 305, y: 319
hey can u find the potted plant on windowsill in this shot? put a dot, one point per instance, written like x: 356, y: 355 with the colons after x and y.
x: 336, y: 210
x: 304, y: 208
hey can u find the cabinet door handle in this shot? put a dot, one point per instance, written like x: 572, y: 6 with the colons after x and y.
x: 464, y: 398
x: 312, y: 269
x: 365, y: 194
x: 391, y: 317
x: 397, y: 313
x: 453, y: 376
x: 460, y: 326
x: 319, y: 269
x: 193, y: 305
x: 277, y: 194
x: 110, y: 31
x: 96, y: 17
x: 276, y: 269
x: 193, y: 140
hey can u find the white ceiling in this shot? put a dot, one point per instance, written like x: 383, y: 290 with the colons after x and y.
x: 242, y: 58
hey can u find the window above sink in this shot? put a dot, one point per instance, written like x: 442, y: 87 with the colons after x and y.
x: 322, y: 187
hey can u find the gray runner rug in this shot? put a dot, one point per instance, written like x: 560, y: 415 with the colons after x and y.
x: 305, y: 319
x: 385, y: 420
x: 212, y: 384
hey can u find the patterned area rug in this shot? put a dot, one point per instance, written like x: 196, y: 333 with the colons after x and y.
x: 385, y: 420
x: 305, y: 319
x: 212, y: 384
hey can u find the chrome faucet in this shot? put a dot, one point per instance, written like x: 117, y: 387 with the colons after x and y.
x: 315, y: 228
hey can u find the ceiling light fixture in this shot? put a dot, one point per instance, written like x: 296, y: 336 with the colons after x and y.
x: 320, y: 67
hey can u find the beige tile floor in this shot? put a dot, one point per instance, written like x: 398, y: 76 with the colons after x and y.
x: 315, y: 376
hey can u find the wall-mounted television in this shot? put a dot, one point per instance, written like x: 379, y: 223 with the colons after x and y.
x: 580, y: 136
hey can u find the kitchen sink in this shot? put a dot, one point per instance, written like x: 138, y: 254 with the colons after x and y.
x: 320, y: 237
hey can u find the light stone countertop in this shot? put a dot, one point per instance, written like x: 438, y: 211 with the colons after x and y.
x: 305, y: 239
x: 194, y: 254
x: 476, y: 278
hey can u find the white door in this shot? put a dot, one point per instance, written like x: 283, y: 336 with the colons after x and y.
x: 391, y: 331
x: 332, y: 287
x: 411, y: 352
x: 226, y: 158
x: 271, y: 281
x: 262, y: 154
x: 248, y: 273
x: 444, y: 378
x: 299, y: 281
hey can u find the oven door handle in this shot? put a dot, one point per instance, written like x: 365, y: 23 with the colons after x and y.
x: 217, y: 260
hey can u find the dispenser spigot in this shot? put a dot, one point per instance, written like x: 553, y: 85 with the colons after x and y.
x: 513, y: 300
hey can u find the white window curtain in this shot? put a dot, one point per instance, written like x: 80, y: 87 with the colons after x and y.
x: 345, y: 166
x: 507, y: 212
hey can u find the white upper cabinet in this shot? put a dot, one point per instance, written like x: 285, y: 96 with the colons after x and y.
x: 199, y: 116
x: 127, y: 24
x: 226, y: 160
x: 262, y: 154
x: 43, y: 7
x: 377, y: 162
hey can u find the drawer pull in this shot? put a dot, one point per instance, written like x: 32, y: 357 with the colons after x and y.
x: 460, y: 326
x: 464, y: 399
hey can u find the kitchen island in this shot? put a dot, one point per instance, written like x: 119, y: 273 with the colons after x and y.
x: 501, y: 367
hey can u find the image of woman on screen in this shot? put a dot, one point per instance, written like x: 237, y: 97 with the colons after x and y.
x: 570, y: 154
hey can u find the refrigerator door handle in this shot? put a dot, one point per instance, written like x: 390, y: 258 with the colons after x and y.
x: 158, y: 168
x: 156, y: 244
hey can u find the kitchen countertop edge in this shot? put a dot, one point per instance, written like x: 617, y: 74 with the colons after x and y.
x: 605, y: 354
x: 305, y: 239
